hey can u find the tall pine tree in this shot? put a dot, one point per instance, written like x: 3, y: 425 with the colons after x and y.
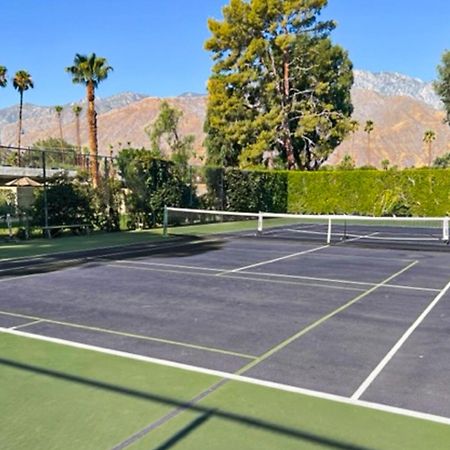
x: 278, y: 85
x: 442, y: 86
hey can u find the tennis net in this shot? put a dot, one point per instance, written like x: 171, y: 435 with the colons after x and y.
x: 330, y: 229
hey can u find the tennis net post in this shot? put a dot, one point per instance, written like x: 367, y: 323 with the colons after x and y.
x: 260, y: 224
x: 329, y: 231
x: 165, y: 221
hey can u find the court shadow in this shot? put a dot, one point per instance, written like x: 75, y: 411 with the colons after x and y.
x: 183, y: 247
x: 205, y: 412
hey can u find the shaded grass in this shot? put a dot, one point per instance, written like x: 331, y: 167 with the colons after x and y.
x: 54, y: 397
x: 68, y: 243
x: 60, y: 397
x: 272, y: 420
x: 201, y: 229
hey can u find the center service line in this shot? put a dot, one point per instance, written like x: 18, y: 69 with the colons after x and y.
x: 320, y: 321
x: 369, y: 380
x: 263, y: 263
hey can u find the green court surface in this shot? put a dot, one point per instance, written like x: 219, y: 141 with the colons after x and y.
x: 54, y: 396
x: 74, y: 243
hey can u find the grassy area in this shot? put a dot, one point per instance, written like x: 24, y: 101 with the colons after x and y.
x: 214, y: 228
x: 70, y: 242
x: 57, y: 397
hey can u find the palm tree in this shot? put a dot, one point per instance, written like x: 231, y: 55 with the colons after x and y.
x: 428, y: 137
x: 22, y: 81
x: 59, y: 110
x: 368, y: 128
x: 3, y: 79
x: 76, y: 109
x: 90, y: 70
x: 354, y: 127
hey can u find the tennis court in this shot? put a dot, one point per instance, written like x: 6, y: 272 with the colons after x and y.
x: 227, y: 340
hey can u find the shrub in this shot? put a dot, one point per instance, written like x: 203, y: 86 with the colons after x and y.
x: 68, y: 202
x: 150, y: 184
x: 242, y: 190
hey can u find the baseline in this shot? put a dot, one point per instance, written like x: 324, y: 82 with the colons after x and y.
x: 237, y: 378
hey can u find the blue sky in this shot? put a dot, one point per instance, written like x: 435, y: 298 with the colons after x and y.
x: 156, y: 46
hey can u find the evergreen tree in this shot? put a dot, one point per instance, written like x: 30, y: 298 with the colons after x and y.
x: 442, y: 162
x: 278, y: 84
x: 3, y: 79
x: 442, y: 86
x: 164, y: 134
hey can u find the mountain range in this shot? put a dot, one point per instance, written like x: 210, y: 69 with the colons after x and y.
x: 402, y: 109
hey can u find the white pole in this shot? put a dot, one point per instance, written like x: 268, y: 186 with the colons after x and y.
x: 445, y: 231
x: 329, y: 231
x: 260, y: 223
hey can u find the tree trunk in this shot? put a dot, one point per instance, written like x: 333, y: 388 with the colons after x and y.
x: 19, y: 130
x: 92, y: 126
x: 289, y: 148
x: 61, y: 134
x: 77, y: 124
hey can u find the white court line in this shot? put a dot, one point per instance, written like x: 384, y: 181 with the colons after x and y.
x: 358, y: 238
x: 29, y: 275
x: 332, y: 280
x: 237, y: 378
x: 174, y: 266
x: 368, y: 381
x: 321, y: 320
x: 62, y: 252
x: 263, y: 263
x: 94, y: 258
x: 273, y: 275
x: 129, y: 335
x: 47, y: 259
x: 234, y: 277
x: 34, y: 322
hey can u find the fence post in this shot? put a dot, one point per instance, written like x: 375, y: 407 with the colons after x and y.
x: 44, y: 176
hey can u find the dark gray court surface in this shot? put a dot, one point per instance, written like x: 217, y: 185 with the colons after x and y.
x: 308, y: 315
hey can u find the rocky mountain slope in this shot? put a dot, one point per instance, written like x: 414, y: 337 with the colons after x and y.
x: 399, y: 125
x: 402, y: 109
x: 395, y: 84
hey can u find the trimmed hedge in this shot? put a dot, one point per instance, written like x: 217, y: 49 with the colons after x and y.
x: 410, y: 192
x: 242, y: 190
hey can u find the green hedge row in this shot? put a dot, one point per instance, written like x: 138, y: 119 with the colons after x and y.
x: 411, y: 192
x: 242, y: 190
